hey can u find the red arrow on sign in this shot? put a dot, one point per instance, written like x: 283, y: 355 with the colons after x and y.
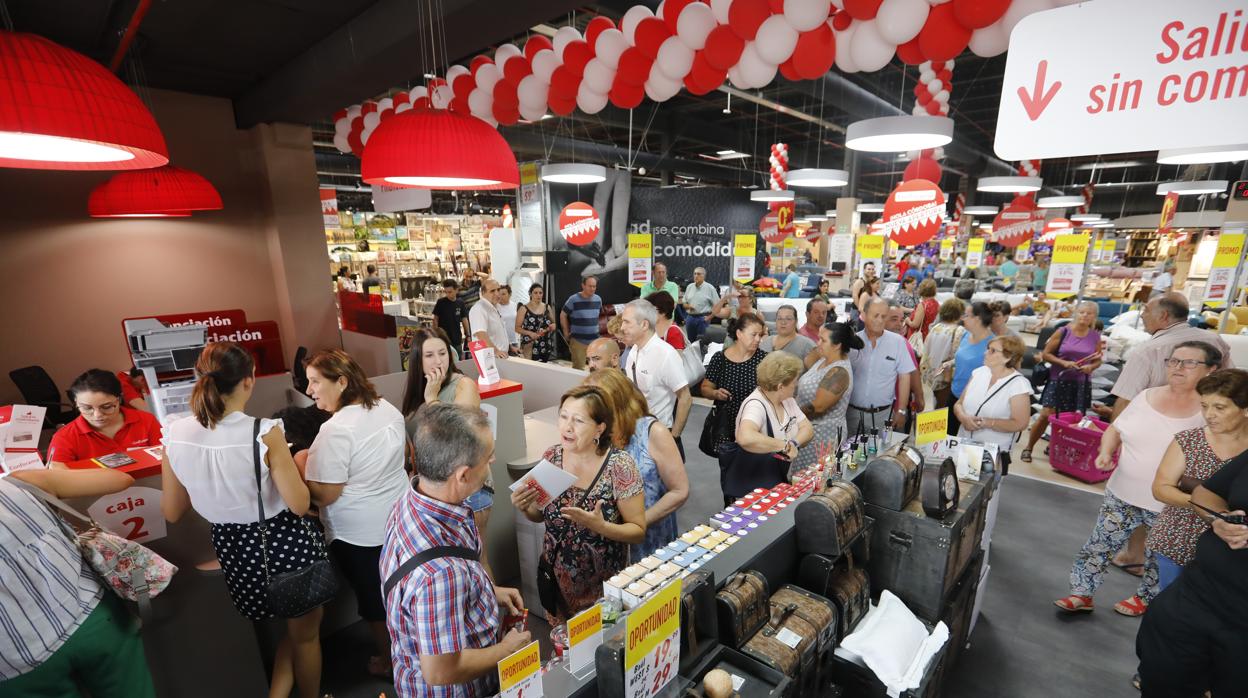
x: 1036, y: 102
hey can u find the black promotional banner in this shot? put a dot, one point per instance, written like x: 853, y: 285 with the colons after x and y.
x: 691, y: 228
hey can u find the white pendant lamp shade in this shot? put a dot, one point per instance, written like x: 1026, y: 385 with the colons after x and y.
x: 870, y: 208
x: 1102, y: 224
x: 771, y: 195
x: 574, y: 173
x: 1060, y: 201
x: 979, y: 211
x: 1010, y: 185
x: 1200, y: 156
x: 899, y: 134
x: 831, y: 213
x: 816, y: 218
x: 1201, y: 186
x: 811, y: 177
x: 1085, y: 217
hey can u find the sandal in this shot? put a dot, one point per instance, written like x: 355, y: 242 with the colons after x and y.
x: 1132, y: 607
x: 1134, y: 568
x: 1075, y: 604
x: 1025, y: 456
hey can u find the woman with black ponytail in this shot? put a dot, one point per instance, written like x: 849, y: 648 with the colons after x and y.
x: 210, y: 465
x: 823, y: 391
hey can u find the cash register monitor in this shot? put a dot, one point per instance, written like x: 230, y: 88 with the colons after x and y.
x: 184, y: 359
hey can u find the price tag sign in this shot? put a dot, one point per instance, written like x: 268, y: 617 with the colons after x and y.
x: 1023, y: 251
x: 1222, y: 273
x: 974, y: 252
x: 1066, y: 270
x: 584, y: 636
x: 930, y: 426
x: 652, y: 644
x: 520, y: 674
x: 640, y: 256
x: 946, y: 249
x: 744, y: 250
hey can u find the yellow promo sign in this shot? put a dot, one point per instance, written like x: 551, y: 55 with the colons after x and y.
x: 1230, y: 249
x: 1070, y: 249
x: 517, y: 667
x: 652, y: 643
x: 975, y: 252
x: 871, y: 246
x: 946, y: 249
x: 931, y: 426
x: 1221, y: 284
x: 745, y: 246
x: 640, y: 252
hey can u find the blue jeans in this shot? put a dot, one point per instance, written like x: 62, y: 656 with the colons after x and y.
x: 1167, y: 571
x: 695, y: 325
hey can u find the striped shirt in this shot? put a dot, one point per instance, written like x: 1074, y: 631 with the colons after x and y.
x: 48, y: 589
x: 447, y: 605
x: 583, y: 316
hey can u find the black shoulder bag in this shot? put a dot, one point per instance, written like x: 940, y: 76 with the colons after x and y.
x: 548, y: 591
x: 294, y: 593
x: 741, y: 472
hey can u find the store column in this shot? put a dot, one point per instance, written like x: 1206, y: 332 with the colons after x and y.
x: 295, y: 237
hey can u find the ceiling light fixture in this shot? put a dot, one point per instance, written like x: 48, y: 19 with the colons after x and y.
x: 64, y: 111
x: 1086, y: 217
x: 1201, y: 156
x: 831, y: 213
x: 1009, y: 185
x: 895, y: 134
x: 574, y: 173
x: 161, y: 192
x: 979, y: 211
x: 772, y: 195
x: 817, y: 217
x: 814, y: 177
x: 1060, y: 201
x: 438, y: 149
x: 1188, y: 188
x: 870, y: 208
x: 1101, y: 224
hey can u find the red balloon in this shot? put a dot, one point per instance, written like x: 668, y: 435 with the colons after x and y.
x: 941, y: 37
x: 705, y: 82
x: 777, y: 7
x: 421, y: 103
x: 402, y: 98
x: 575, y: 55
x: 922, y: 168
x: 862, y: 10
x: 357, y: 124
x: 354, y: 142
x: 723, y: 47
x: 517, y: 68
x: 945, y: 75
x: 459, y: 105
x: 815, y: 52
x: 385, y: 113
x: 476, y: 63
x: 933, y: 108
x: 788, y: 71
x: 564, y: 84
x: 536, y: 43
x: 650, y: 34
x: 977, y: 14
x: 922, y: 95
x: 368, y: 108
x: 562, y: 105
x: 910, y: 53
x: 506, y: 115
x: 505, y: 94
x: 634, y: 67
x: 672, y: 10
x: 342, y: 113
x: 702, y: 70
x: 597, y: 26
x: 841, y: 21
x: 463, y: 85
x: 745, y: 16
x: 624, y: 95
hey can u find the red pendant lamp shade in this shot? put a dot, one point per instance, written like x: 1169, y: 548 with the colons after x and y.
x: 160, y: 192
x: 438, y: 149
x: 60, y: 110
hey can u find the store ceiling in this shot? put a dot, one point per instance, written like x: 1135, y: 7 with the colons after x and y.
x: 300, y: 60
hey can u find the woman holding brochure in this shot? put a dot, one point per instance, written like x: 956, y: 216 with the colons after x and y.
x: 590, y: 524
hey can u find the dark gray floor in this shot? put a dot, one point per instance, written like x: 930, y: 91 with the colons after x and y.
x: 1021, y: 647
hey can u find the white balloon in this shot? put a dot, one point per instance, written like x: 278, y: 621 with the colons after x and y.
x: 869, y: 50
x: 544, y: 64
x: 949, y: 63
x: 695, y: 22
x: 481, y: 102
x: 630, y: 20
x: 385, y: 103
x: 340, y: 142
x: 488, y: 76
x: 918, y: 110
x: 365, y: 135
x: 531, y: 113
x: 1020, y: 9
x: 990, y: 41
x: 371, y: 120
x: 659, y: 78
x: 838, y: 4
x: 589, y: 101
x: 532, y: 92
x: 755, y: 70
x: 402, y: 107
x: 719, y: 8
x: 844, y: 60
x: 563, y: 37
x: 942, y: 96
x: 734, y: 76
x: 488, y: 119
x: 455, y: 71
x: 661, y: 90
x: 506, y: 51
x: 804, y: 15
x: 937, y: 2
x: 608, y: 47
x: 353, y: 111
x: 417, y: 93
x: 926, y: 74
x: 442, y: 96
x: 675, y: 59
x: 933, y: 87
x: 342, y: 126
x: 598, y: 76
x: 776, y: 40
x: 899, y: 21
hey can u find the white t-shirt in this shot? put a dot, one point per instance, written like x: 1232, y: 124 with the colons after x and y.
x: 485, y: 317
x: 218, y: 470
x: 508, y: 314
x: 783, y: 426
x: 975, y: 396
x: 1146, y: 434
x: 1162, y: 282
x: 658, y: 372
x: 362, y: 448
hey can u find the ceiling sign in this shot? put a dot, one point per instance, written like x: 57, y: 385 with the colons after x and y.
x: 1146, y: 75
x: 1016, y: 223
x: 579, y: 223
x: 778, y: 223
x: 913, y: 212
x: 1055, y: 227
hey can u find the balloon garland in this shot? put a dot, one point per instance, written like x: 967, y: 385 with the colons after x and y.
x: 779, y: 162
x: 696, y: 46
x: 1088, y: 190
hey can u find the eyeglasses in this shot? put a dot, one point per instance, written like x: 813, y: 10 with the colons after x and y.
x: 1185, y: 363
x: 101, y: 409
x: 992, y: 350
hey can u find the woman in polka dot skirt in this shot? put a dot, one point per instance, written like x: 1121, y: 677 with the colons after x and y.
x: 209, y: 465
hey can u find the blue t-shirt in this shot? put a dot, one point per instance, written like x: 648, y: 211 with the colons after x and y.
x: 792, y: 285
x: 1008, y: 270
x: 583, y: 316
x: 970, y: 356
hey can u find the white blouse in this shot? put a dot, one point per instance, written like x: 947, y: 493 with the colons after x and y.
x: 992, y: 403
x: 217, y: 468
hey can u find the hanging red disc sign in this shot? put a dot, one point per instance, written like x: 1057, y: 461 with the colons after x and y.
x: 1055, y: 227
x: 579, y: 223
x: 778, y: 224
x: 913, y: 212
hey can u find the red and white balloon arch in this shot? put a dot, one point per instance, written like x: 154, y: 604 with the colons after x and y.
x: 697, y: 45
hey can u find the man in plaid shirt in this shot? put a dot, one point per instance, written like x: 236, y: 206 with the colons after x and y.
x: 444, y: 616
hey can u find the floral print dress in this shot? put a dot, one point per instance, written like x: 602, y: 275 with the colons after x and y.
x: 583, y: 560
x: 536, y: 322
x: 1177, y: 528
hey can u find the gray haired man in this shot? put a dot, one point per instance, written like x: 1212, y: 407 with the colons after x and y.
x: 700, y: 297
x: 655, y: 367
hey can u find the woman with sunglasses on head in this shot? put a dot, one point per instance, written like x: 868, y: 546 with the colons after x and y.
x: 105, y: 424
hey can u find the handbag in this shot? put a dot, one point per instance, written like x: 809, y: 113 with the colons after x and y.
x: 741, y: 471
x: 547, y: 585
x: 712, y: 431
x: 131, y: 570
x: 691, y: 358
x: 294, y: 593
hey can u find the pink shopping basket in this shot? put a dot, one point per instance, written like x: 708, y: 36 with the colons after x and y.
x: 1073, y: 449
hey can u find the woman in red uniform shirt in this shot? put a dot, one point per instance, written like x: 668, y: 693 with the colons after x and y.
x: 104, y: 425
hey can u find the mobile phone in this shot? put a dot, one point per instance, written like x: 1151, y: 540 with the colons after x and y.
x: 1237, y: 519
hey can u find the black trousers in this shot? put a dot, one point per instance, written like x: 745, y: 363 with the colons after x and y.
x: 1188, y: 644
